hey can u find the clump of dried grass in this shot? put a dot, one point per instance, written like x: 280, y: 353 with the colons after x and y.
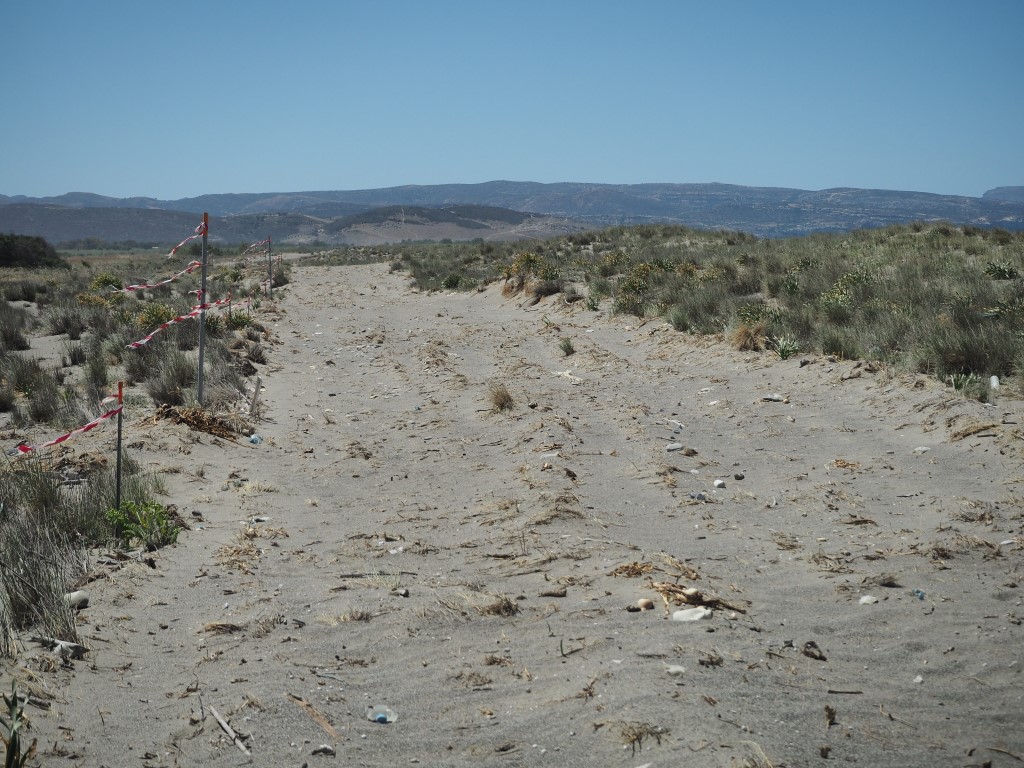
x: 501, y: 398
x: 747, y: 338
x: 503, y: 606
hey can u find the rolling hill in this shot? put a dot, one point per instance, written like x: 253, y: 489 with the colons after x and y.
x: 495, y: 210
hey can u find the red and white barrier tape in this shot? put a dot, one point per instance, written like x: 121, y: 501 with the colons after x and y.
x: 200, y: 231
x: 196, y: 310
x: 189, y: 269
x: 22, y: 448
x: 256, y: 245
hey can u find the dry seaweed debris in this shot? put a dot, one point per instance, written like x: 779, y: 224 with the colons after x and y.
x: 632, y: 570
x: 503, y: 606
x: 973, y: 429
x: 198, y: 419
x: 676, y: 594
x: 634, y: 733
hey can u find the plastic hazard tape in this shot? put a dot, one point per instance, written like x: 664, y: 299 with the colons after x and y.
x: 200, y: 231
x: 256, y: 245
x: 23, y: 448
x: 190, y: 268
x: 195, y: 312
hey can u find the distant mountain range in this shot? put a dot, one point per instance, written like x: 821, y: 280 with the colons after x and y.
x: 495, y: 210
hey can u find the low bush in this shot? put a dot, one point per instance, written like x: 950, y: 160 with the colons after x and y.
x: 173, y: 375
x: 147, y: 524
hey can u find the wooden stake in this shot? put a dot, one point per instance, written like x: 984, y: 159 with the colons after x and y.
x: 255, y: 396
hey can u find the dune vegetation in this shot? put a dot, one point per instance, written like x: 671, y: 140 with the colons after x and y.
x: 929, y: 298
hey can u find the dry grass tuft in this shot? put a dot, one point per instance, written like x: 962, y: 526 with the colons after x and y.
x: 633, y: 734
x: 501, y: 398
x: 632, y: 570
x: 222, y: 628
x: 748, y: 338
x: 503, y: 606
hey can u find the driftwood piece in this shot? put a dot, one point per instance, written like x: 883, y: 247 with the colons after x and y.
x: 229, y: 731
x: 315, y: 714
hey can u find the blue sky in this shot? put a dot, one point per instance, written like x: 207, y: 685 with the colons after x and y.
x: 179, y: 99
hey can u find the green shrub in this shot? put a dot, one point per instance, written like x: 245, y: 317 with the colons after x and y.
x: 148, y: 524
x: 13, y: 323
x: 65, y: 317
x: 1002, y: 270
x: 28, y: 251
x: 96, y: 374
x: 24, y: 290
x: 174, y: 374
x: 106, y: 281
x: 785, y: 347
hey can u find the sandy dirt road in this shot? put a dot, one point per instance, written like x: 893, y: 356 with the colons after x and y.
x: 396, y: 541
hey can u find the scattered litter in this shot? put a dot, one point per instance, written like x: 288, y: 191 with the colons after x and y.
x: 922, y: 449
x: 918, y: 679
x: 812, y: 651
x: 693, y: 614
x: 774, y: 397
x: 918, y: 593
x: 77, y: 600
x: 325, y: 749
x: 380, y: 713
x: 868, y: 600
x: 65, y: 650
x: 255, y: 439
x: 675, y: 670
x: 698, y: 496
x: 674, y: 447
x: 645, y: 604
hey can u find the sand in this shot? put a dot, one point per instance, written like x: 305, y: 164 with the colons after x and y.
x: 396, y: 541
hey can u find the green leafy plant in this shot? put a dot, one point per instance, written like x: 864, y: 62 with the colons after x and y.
x: 567, y: 347
x: 12, y: 727
x: 238, y: 320
x: 785, y: 347
x: 104, y: 281
x: 148, y: 524
x: 1001, y: 270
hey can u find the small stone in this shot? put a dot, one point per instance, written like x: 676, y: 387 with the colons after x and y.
x: 719, y: 483
x: 738, y: 476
